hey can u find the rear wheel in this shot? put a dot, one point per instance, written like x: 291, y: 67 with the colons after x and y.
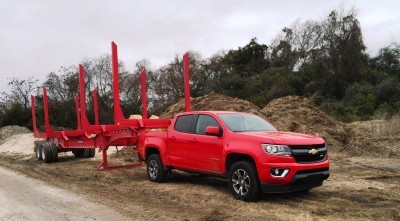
x: 155, y: 169
x: 46, y: 152
x: 243, y: 181
x: 39, y: 150
x: 92, y: 152
x: 80, y: 153
x: 54, y: 152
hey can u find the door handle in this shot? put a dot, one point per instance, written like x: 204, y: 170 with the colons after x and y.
x: 172, y: 138
x: 194, y: 140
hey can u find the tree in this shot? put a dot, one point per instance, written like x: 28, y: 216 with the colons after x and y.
x: 344, y: 51
x: 16, y: 114
x: 239, y: 73
x: 388, y: 60
x: 20, y: 92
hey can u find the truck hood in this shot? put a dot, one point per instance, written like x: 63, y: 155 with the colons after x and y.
x: 285, y: 138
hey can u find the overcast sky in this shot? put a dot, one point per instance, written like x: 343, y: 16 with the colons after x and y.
x: 38, y: 37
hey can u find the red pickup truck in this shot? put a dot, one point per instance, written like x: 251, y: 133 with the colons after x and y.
x: 248, y: 150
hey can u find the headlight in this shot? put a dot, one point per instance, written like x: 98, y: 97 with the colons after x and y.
x: 281, y: 150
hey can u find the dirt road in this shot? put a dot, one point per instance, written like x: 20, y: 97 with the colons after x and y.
x: 359, y: 188
x: 24, y: 198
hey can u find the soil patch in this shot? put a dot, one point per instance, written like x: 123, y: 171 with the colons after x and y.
x: 213, y: 102
x: 299, y: 114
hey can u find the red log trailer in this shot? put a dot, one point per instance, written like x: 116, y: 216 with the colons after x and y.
x: 83, y: 141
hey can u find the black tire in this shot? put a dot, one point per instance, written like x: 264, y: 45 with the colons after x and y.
x: 77, y: 153
x: 39, y: 150
x: 35, y: 147
x: 92, y: 152
x: 46, y: 153
x: 80, y: 153
x: 54, y: 152
x: 155, y: 169
x: 243, y: 181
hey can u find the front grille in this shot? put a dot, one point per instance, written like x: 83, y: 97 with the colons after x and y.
x: 301, y: 153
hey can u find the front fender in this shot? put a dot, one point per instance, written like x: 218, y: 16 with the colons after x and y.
x: 238, y: 151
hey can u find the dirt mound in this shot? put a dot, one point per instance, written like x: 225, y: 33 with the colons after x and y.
x: 215, y: 102
x: 8, y: 131
x: 299, y: 114
x: 18, y: 143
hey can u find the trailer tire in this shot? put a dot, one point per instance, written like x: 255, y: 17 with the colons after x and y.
x: 92, y: 152
x: 46, y: 153
x: 80, y: 153
x: 86, y: 153
x: 35, y: 147
x: 39, y: 150
x: 54, y: 152
x: 155, y: 169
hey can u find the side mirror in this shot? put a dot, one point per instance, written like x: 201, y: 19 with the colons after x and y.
x: 213, y: 131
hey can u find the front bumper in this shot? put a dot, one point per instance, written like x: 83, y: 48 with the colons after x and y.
x: 299, y: 182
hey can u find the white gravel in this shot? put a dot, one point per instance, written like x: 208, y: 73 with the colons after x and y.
x: 24, y: 198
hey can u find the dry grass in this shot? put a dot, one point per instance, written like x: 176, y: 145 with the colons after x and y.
x: 380, y: 138
x: 384, y: 128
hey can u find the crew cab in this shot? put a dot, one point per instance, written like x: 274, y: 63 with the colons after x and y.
x: 248, y: 150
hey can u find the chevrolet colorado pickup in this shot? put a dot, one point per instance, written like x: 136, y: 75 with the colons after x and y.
x: 246, y: 149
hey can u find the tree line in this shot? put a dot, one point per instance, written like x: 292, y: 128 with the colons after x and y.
x: 325, y: 60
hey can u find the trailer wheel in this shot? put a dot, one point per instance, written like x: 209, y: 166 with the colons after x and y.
x: 35, y: 147
x: 79, y: 153
x: 46, y: 152
x: 92, y: 152
x: 39, y: 150
x: 54, y: 152
x: 155, y: 169
x: 243, y: 181
x: 86, y: 153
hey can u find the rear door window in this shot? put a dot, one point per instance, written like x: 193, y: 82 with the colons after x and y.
x: 183, y: 123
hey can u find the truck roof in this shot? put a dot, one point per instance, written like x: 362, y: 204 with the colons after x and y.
x: 210, y: 112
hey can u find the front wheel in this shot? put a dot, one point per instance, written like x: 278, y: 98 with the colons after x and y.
x: 243, y: 181
x: 155, y: 169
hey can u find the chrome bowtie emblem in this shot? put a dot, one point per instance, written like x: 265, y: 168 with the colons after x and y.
x: 313, y: 151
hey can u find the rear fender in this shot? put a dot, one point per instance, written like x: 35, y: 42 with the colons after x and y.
x: 161, y: 145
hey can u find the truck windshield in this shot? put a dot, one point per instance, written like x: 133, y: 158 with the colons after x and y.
x: 237, y: 122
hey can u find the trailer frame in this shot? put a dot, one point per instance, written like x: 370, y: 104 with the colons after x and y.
x: 124, y: 132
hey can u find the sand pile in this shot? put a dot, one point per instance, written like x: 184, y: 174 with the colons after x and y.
x: 16, y: 139
x: 298, y: 114
x: 8, y: 131
x: 19, y: 143
x: 216, y: 102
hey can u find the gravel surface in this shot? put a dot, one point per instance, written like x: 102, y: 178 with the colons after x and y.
x: 23, y: 198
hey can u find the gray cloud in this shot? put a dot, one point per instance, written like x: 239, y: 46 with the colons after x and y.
x: 40, y: 36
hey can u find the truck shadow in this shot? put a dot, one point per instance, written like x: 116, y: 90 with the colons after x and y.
x: 179, y: 177
x: 221, y: 184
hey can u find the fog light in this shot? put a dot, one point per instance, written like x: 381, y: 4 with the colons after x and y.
x: 279, y: 172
